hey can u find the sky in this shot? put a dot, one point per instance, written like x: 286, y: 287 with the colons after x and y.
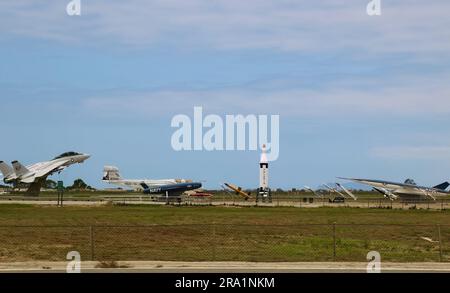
x: 357, y: 95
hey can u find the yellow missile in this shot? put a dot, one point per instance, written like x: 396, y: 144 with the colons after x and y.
x: 238, y: 190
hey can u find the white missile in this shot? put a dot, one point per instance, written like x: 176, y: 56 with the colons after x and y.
x: 264, y: 171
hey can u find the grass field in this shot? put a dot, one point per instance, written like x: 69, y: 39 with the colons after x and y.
x: 221, y: 233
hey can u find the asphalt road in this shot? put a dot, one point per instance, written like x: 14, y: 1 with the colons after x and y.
x: 224, y: 267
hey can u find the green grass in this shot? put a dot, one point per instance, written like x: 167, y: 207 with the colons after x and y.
x: 149, y: 214
x: 243, y: 234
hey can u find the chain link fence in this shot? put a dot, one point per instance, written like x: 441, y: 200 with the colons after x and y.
x: 303, y: 201
x: 213, y: 242
x: 277, y: 200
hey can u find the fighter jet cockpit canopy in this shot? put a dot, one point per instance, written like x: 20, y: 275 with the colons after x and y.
x: 67, y: 154
x: 410, y: 181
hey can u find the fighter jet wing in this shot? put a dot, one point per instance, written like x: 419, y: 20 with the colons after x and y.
x: 49, y: 168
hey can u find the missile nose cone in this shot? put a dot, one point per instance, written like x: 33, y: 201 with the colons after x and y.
x: 263, y: 155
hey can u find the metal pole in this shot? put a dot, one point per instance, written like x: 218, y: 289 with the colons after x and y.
x: 440, y: 242
x: 334, y: 241
x: 214, y: 242
x: 91, y: 234
x: 59, y: 199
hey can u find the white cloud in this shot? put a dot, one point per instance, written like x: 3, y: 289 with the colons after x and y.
x: 418, y: 27
x: 411, y: 97
x: 300, y: 25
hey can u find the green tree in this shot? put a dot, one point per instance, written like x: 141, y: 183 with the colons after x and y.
x: 50, y: 184
x: 79, y: 184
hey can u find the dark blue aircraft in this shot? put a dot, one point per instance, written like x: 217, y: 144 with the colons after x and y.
x: 171, y: 190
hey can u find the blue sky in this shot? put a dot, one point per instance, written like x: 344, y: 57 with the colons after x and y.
x: 357, y: 95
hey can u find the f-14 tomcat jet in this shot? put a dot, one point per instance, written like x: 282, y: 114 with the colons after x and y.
x: 36, y: 174
x: 408, y: 189
x: 111, y: 175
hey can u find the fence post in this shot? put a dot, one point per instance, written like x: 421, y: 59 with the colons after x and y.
x: 91, y: 234
x: 440, y: 242
x: 334, y: 241
x: 214, y: 241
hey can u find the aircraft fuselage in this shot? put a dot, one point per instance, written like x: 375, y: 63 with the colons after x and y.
x: 402, y: 189
x: 173, y: 189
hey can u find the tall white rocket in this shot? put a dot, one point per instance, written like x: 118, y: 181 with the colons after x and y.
x: 264, y: 171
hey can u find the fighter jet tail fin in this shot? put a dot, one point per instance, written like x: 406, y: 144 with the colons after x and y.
x: 111, y: 173
x: 5, y: 169
x: 145, y: 186
x: 442, y: 186
x: 19, y: 169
